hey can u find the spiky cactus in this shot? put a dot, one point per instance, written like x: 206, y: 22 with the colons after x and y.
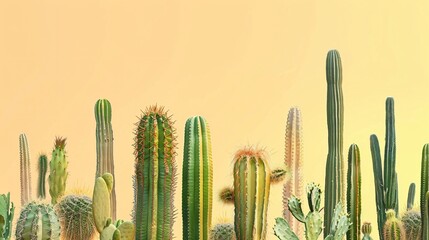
x: 43, y: 168
x: 25, y: 169
x: 223, y: 231
x: 155, y: 179
x: 411, y: 219
x: 75, y: 213
x: 386, y: 190
x: 334, y: 179
x: 393, y: 228
x: 366, y: 231
x: 354, y: 192
x: 104, y: 145
x: 58, y: 170
x: 251, y: 193
x: 7, y: 210
x: 294, y: 163
x: 197, y: 192
x: 38, y: 221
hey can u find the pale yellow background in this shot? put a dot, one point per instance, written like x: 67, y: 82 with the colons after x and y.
x: 241, y: 64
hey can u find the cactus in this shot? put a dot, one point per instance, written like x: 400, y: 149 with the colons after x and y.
x: 366, y: 231
x: 226, y: 195
x: 277, y: 175
x: 424, y: 187
x: 38, y: 221
x: 334, y: 179
x: 58, y: 170
x: 101, y: 201
x: 354, y: 192
x: 7, y: 210
x: 197, y: 193
x: 386, y: 190
x: 223, y: 231
x: 43, y: 168
x: 25, y: 169
x: 294, y: 162
x: 411, y: 219
x: 155, y: 179
x: 393, y: 228
x: 104, y: 144
x: 75, y: 214
x: 425, y: 218
x: 411, y: 196
x: 251, y: 193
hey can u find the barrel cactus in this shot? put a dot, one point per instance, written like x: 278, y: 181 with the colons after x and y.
x: 58, y: 170
x: 366, y: 231
x: 223, y: 231
x: 7, y: 210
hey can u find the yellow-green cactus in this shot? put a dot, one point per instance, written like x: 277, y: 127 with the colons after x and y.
x: 58, y: 170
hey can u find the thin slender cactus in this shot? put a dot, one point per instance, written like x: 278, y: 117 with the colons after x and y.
x: 43, y: 168
x: 411, y: 195
x: 425, y: 218
x: 25, y: 169
x: 424, y: 188
x: 354, y: 192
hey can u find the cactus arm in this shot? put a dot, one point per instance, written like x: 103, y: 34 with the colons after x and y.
x: 25, y: 169
x: 378, y: 182
x: 411, y: 195
x: 100, y: 203
x: 43, y: 167
x: 424, y: 187
x: 354, y: 192
x: 283, y: 231
x: 390, y: 157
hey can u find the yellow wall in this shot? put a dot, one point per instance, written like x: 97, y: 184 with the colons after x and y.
x: 241, y: 64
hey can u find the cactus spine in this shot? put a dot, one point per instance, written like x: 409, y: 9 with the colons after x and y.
x: 424, y: 188
x: 393, y: 228
x: 197, y: 193
x: 223, y: 231
x: 58, y: 170
x: 155, y: 178
x: 293, y: 161
x: 7, y: 210
x: 251, y: 193
x: 354, y: 192
x: 334, y: 179
x: 25, y: 169
x: 386, y: 190
x: 366, y: 231
x: 43, y: 168
x: 104, y: 145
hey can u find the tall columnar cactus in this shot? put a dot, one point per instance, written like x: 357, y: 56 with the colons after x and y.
x: 334, y: 179
x: 43, y: 168
x: 25, y: 169
x: 104, y: 142
x: 425, y: 217
x: 393, y: 228
x: 294, y: 162
x: 38, y: 221
x: 424, y: 188
x: 366, y: 231
x: 58, y: 170
x: 7, y: 210
x: 197, y: 193
x: 354, y: 192
x: 251, y: 193
x: 155, y: 179
x: 386, y: 190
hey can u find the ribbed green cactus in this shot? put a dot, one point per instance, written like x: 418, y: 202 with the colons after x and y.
x: 354, y: 192
x: 424, y: 188
x: 104, y: 143
x: 43, y: 168
x: 75, y: 213
x: 197, y: 192
x: 101, y: 201
x: 294, y: 164
x: 25, y: 169
x: 155, y: 179
x: 411, y: 196
x: 7, y: 210
x: 334, y: 179
x: 251, y: 193
x: 386, y: 190
x: 393, y: 228
x: 38, y: 221
x: 366, y: 231
x: 223, y: 231
x: 425, y: 218
x: 58, y: 170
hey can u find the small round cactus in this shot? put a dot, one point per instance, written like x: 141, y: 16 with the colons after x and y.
x: 366, y: 230
x: 393, y: 228
x: 223, y: 231
x: 413, y: 224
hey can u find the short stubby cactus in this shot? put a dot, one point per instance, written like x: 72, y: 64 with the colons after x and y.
x: 7, y: 210
x: 101, y: 201
x: 43, y: 168
x: 366, y: 231
x: 393, y: 228
x: 223, y: 231
x: 58, y: 170
x: 38, y: 221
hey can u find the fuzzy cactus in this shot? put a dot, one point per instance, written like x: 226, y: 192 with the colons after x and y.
x: 223, y: 231
x: 354, y: 192
x: 7, y: 210
x: 104, y: 145
x: 75, y: 213
x: 366, y: 231
x: 334, y: 179
x: 58, y: 170
x: 25, y: 169
x: 155, y: 175
x: 43, y: 168
x: 38, y: 221
x: 393, y: 228
x: 251, y: 193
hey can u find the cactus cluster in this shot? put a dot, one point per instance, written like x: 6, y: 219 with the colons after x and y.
x: 58, y: 170
x: 7, y: 210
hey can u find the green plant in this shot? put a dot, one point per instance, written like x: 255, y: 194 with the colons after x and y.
x: 251, y: 193
x: 424, y: 188
x: 393, y: 228
x: 7, y: 210
x: 425, y: 217
x: 58, y: 170
x: 43, y: 168
x: 366, y: 231
x: 38, y: 221
x: 293, y: 161
x: 386, y: 190
x: 411, y: 196
x: 155, y: 175
x: 25, y: 169
x: 354, y: 192
x: 101, y: 201
x: 411, y: 219
x: 334, y: 179
x: 104, y: 145
x: 223, y: 231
